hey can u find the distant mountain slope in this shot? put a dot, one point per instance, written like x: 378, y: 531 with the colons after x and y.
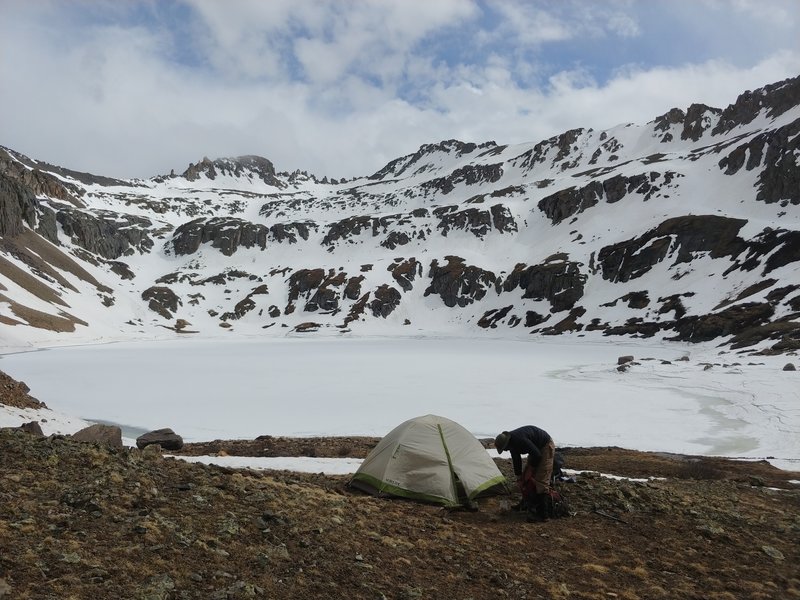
x: 686, y: 227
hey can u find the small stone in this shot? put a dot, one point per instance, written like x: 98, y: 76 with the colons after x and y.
x: 773, y: 552
x: 789, y: 367
x: 624, y: 359
x: 71, y: 557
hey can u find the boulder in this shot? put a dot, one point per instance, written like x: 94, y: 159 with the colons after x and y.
x: 33, y: 428
x: 166, y: 438
x: 624, y: 359
x: 105, y: 435
x: 789, y: 367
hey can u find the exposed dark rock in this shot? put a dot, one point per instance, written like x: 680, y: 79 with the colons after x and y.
x: 326, y: 296
x: 776, y: 98
x: 468, y: 174
x: 559, y: 281
x: 784, y: 332
x: 637, y: 299
x: 673, y: 303
x: 681, y: 236
x: 244, y: 306
x: 31, y: 176
x: 789, y: 367
x: 307, y: 327
x: 105, y: 435
x: 696, y: 120
x: 571, y: 201
x: 405, y: 271
x: 476, y: 221
x: 17, y: 206
x: 747, y: 292
x: 354, y: 226
x: 532, y: 318
x: 491, y: 317
x: 636, y: 327
x: 395, y: 239
x: 401, y: 165
x: 303, y: 281
x: 569, y: 323
x: 779, y: 179
x: 624, y: 359
x: 166, y: 438
x: 352, y: 291
x: 290, y: 231
x: 782, y: 246
x: 357, y: 310
x: 386, y: 300
x: 32, y: 427
x: 503, y: 219
x: 563, y: 144
x: 241, y: 166
x: 121, y: 269
x: 109, y: 234
x: 778, y: 294
x: 671, y: 117
x: 727, y: 322
x: 162, y: 300
x: 224, y: 233
x: 458, y: 284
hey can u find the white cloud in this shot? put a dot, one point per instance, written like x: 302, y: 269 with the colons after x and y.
x: 338, y: 88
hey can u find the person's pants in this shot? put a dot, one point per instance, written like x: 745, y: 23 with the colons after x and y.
x: 543, y: 471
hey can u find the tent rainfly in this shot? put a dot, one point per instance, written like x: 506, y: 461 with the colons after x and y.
x: 429, y: 458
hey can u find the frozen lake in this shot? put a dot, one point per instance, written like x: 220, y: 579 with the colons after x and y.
x: 208, y: 389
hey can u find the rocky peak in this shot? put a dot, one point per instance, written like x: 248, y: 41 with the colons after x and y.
x: 248, y: 166
x: 776, y: 98
x: 697, y: 119
x: 400, y: 165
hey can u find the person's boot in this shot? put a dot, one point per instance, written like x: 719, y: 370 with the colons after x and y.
x: 538, y: 511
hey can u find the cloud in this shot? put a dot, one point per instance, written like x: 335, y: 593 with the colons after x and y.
x: 339, y: 88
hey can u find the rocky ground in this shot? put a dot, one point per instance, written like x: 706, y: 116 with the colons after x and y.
x: 85, y: 521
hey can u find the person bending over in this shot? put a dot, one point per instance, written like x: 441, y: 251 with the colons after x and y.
x: 540, y: 448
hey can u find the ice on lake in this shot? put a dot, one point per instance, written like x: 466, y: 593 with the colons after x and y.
x: 208, y: 389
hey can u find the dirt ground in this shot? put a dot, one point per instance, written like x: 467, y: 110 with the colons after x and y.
x: 84, y: 521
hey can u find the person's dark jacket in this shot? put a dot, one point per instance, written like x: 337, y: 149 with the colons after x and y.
x: 529, y: 440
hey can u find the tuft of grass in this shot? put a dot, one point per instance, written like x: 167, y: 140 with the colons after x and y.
x: 595, y: 568
x: 698, y: 469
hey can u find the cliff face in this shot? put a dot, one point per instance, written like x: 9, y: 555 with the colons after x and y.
x: 678, y: 228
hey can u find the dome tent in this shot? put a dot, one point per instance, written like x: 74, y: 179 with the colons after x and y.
x: 429, y: 458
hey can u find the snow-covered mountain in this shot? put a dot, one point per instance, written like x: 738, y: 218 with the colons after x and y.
x: 686, y: 227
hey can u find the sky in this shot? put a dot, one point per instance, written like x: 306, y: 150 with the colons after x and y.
x: 341, y: 87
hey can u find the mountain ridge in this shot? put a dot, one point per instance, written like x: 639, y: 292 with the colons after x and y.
x: 674, y: 229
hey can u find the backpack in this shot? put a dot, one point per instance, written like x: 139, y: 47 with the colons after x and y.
x: 555, y: 503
